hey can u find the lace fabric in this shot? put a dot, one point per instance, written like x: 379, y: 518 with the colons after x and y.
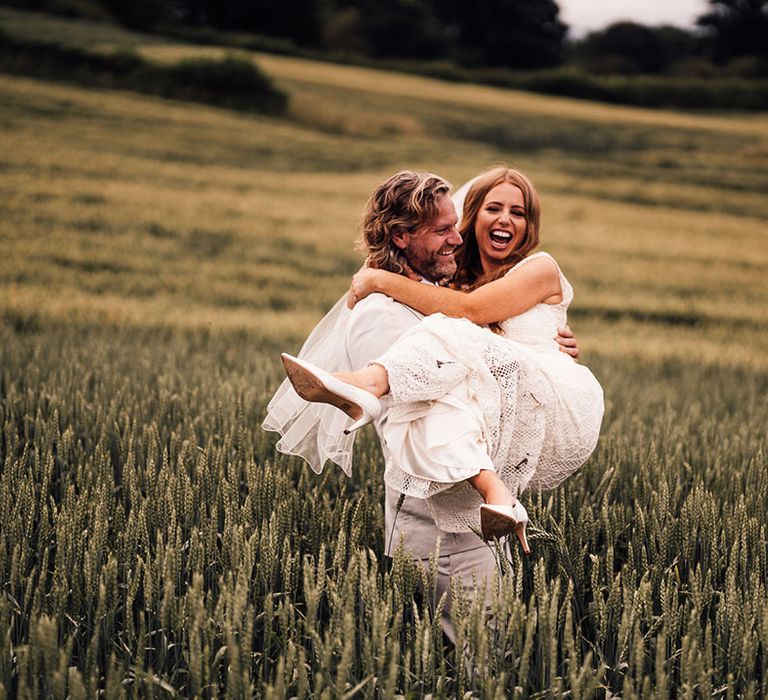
x: 314, y: 432
x: 539, y: 411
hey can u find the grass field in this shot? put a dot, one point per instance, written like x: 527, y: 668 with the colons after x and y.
x: 156, y: 256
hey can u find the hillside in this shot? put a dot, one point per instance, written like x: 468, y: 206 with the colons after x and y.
x: 156, y: 257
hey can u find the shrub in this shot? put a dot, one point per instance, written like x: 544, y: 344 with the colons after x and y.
x: 693, y: 84
x: 230, y: 82
x: 650, y: 91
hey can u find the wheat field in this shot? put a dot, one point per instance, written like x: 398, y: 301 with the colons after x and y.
x: 157, y: 256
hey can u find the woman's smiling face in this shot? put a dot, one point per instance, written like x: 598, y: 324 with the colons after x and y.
x: 500, y: 225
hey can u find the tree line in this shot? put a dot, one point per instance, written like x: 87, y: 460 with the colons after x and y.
x: 515, y: 34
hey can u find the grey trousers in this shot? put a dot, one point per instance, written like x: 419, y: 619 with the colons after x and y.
x: 479, y: 564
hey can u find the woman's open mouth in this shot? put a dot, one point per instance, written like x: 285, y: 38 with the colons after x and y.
x: 500, y: 239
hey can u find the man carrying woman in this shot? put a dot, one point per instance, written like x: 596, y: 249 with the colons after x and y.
x: 410, y: 229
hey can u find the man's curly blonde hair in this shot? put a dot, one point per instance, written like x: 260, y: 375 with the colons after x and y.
x: 405, y: 202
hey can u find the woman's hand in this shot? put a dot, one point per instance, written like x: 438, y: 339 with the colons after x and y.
x: 364, y: 282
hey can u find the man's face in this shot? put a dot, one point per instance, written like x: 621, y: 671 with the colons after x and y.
x: 431, y: 249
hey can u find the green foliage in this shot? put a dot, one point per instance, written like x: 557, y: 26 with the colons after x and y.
x: 511, y: 34
x: 156, y: 258
x: 514, y: 34
x: 651, y: 91
x: 682, y: 92
x: 297, y: 20
x: 152, y: 537
x: 394, y: 29
x: 230, y: 82
x: 739, y: 28
x: 138, y: 14
x: 688, y: 81
x: 626, y: 48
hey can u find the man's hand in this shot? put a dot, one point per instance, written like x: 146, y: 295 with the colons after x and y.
x: 568, y: 343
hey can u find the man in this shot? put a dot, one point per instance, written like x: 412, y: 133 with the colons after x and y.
x: 410, y: 227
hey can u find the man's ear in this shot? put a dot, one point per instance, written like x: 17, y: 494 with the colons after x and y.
x: 400, y: 238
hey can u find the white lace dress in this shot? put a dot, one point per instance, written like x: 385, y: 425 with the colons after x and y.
x: 463, y: 398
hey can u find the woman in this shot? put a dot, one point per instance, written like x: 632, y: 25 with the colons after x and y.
x: 538, y: 410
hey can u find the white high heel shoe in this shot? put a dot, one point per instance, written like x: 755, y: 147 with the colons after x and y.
x: 497, y: 521
x: 317, y: 385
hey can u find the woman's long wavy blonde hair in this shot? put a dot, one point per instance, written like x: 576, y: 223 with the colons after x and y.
x: 405, y: 202
x: 470, y: 274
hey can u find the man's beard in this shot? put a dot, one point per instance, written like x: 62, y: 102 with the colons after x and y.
x: 434, y: 269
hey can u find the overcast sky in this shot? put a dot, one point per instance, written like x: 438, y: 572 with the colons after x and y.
x: 585, y: 15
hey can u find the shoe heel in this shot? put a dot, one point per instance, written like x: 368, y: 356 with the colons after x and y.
x: 315, y: 384
x: 359, y: 423
x: 520, y: 532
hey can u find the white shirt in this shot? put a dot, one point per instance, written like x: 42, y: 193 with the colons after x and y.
x: 375, y: 324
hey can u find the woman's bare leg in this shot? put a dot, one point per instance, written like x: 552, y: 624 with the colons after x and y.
x: 491, y: 488
x: 373, y: 378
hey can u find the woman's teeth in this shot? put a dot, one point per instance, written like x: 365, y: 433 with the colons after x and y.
x: 500, y: 237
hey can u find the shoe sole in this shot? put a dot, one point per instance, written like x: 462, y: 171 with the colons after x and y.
x: 495, y: 525
x: 310, y: 388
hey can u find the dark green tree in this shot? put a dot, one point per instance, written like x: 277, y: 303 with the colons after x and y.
x: 626, y: 47
x: 138, y: 14
x: 505, y: 33
x: 391, y: 28
x: 738, y: 28
x: 298, y: 20
x: 27, y: 4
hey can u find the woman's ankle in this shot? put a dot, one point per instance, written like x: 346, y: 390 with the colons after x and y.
x: 492, y: 489
x: 500, y: 498
x: 373, y: 379
x: 378, y: 379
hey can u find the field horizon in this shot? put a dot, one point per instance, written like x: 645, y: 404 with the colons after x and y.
x: 157, y: 257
